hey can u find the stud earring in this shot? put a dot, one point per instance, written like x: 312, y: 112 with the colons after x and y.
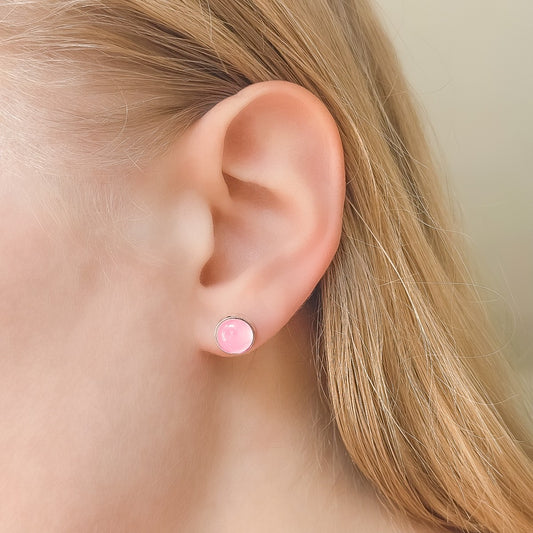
x: 234, y: 335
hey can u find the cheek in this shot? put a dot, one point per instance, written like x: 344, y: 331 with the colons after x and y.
x: 94, y: 357
x: 30, y: 266
x: 60, y: 293
x: 45, y: 275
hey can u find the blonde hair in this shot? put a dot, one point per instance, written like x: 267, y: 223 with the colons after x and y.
x: 410, y: 369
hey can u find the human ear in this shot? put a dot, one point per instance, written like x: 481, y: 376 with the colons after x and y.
x: 268, y: 161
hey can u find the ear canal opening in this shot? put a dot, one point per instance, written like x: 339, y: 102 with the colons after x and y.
x: 251, y: 229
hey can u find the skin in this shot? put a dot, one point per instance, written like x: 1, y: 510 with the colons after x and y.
x: 118, y: 412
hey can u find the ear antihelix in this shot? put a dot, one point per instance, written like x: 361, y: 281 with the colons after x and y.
x: 234, y: 335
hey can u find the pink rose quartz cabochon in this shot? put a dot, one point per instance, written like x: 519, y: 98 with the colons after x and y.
x: 234, y: 335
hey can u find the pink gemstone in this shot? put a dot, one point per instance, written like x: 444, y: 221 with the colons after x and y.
x: 234, y: 335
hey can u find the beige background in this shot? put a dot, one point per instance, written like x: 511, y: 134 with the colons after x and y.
x: 470, y: 63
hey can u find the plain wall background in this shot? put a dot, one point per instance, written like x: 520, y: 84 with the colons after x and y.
x: 470, y: 63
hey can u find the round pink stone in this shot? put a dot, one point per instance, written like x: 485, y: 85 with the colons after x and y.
x: 234, y: 335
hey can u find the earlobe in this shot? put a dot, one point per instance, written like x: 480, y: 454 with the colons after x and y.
x: 269, y: 161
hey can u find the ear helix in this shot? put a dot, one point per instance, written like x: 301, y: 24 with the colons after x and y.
x: 234, y: 335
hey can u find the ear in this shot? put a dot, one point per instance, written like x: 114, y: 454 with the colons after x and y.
x: 269, y: 163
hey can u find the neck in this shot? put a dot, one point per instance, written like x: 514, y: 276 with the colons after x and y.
x: 275, y: 461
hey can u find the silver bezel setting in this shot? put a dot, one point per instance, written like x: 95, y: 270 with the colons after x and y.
x: 237, y: 318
